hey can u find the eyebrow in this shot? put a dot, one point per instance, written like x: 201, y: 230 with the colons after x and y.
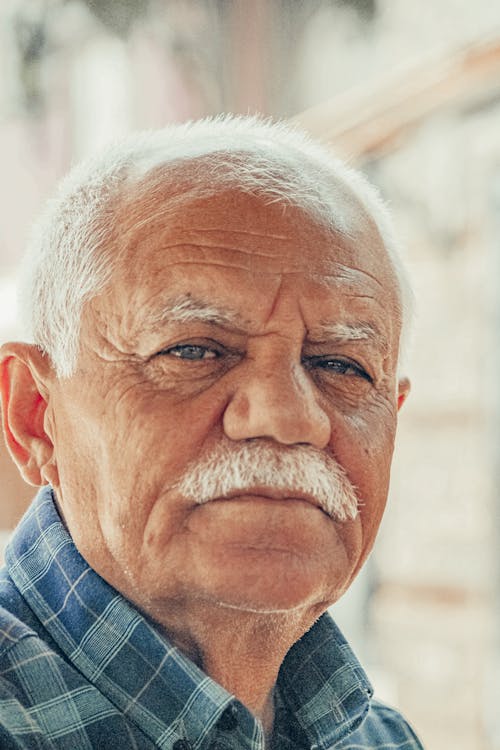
x: 343, y: 333
x: 186, y: 309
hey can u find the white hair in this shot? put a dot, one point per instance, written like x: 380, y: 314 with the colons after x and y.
x: 74, y: 247
x: 232, y: 469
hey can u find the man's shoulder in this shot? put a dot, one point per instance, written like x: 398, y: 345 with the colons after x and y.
x: 16, y: 620
x: 12, y: 631
x: 23, y: 650
x: 384, y: 728
x: 46, y: 702
x: 19, y: 645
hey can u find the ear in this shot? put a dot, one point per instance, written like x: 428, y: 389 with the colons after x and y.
x: 25, y: 375
x: 404, y: 387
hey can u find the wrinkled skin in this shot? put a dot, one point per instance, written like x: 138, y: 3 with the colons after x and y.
x: 149, y: 397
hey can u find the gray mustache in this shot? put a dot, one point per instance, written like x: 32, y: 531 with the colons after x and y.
x: 296, y: 470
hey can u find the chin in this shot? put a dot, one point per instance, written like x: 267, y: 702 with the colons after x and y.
x: 276, y: 590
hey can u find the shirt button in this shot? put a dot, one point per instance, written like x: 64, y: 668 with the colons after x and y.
x: 228, y: 720
x: 181, y: 745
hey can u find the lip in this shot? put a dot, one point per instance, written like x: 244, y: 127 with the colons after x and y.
x: 273, y: 493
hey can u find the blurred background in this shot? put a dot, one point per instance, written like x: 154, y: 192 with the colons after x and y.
x: 410, y: 93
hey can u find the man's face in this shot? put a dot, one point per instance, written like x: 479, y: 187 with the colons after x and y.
x: 231, y: 324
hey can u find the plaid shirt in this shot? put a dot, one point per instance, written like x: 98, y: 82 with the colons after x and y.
x: 81, y: 668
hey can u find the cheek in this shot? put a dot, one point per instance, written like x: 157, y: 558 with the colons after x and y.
x: 364, y: 448
x: 153, y: 440
x: 164, y: 424
x: 363, y: 445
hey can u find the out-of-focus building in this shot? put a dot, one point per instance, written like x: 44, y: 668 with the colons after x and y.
x: 411, y: 93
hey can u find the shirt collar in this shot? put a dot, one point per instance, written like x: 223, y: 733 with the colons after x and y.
x: 145, y: 676
x: 324, y: 686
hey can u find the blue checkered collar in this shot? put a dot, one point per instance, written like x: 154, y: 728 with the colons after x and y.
x: 129, y: 661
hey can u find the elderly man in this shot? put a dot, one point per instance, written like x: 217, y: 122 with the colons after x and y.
x: 210, y: 402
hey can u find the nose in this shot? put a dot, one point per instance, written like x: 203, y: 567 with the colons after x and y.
x: 278, y: 404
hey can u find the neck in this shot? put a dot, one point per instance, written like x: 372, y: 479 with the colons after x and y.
x: 242, y: 651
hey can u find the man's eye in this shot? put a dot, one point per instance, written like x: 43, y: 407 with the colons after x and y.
x: 193, y: 352
x: 336, y: 366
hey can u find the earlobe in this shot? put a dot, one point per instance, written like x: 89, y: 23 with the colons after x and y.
x: 24, y: 403
x: 404, y: 387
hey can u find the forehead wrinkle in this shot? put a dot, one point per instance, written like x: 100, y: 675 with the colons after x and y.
x: 219, y: 230
x: 246, y: 252
x: 204, y: 248
x: 339, y: 272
